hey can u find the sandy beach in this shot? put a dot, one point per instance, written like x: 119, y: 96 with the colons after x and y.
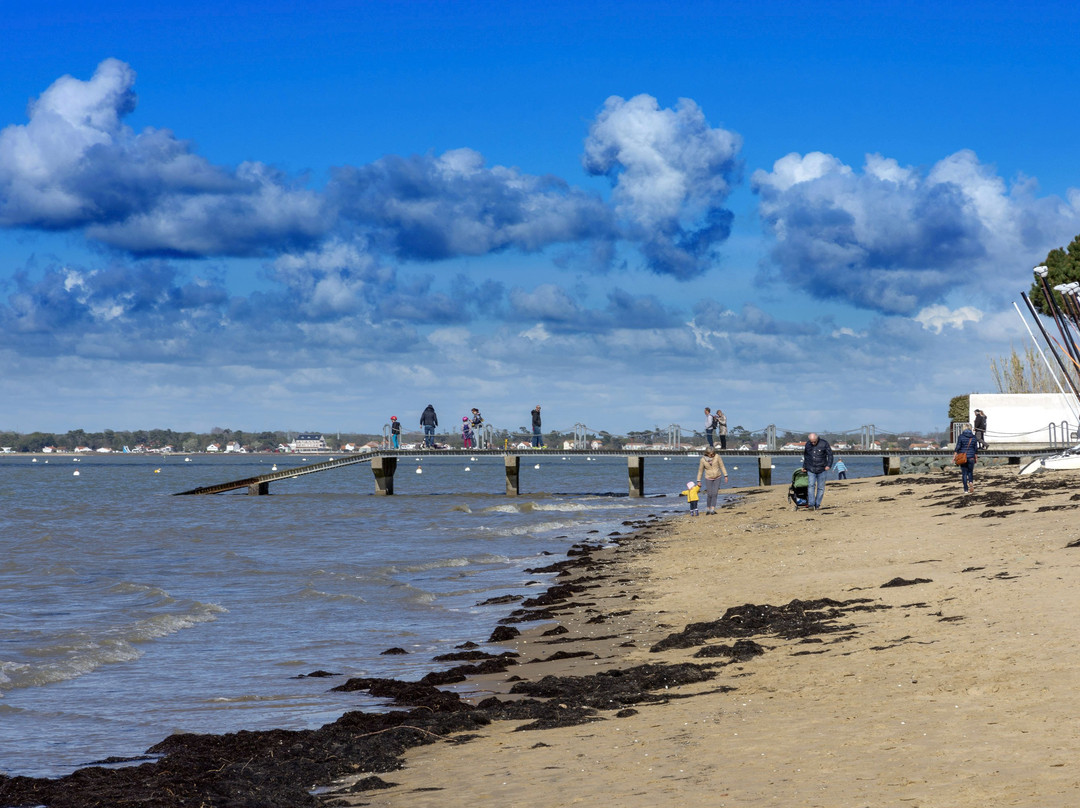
x: 954, y: 686
x: 905, y: 645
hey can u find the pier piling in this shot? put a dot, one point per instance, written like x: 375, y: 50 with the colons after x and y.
x: 383, y: 468
x: 764, y: 470
x: 635, y: 468
x: 513, y: 473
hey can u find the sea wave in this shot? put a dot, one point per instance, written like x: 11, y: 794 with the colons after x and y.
x: 74, y: 655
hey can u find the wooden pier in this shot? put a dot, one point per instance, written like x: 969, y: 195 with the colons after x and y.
x: 384, y: 464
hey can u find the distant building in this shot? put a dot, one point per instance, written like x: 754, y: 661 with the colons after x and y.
x: 213, y: 447
x: 309, y: 442
x: 235, y: 447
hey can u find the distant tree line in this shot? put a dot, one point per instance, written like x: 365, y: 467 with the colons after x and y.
x: 269, y: 441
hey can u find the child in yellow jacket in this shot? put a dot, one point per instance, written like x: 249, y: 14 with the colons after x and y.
x: 691, y: 494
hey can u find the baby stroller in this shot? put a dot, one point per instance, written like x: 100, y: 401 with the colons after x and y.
x: 799, y: 492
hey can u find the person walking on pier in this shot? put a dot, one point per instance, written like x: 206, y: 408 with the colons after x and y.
x: 710, y: 426
x: 721, y: 427
x: 980, y: 429
x: 395, y: 432
x: 817, y: 459
x: 429, y: 420
x: 537, y: 439
x: 967, y: 444
x: 466, y: 433
x: 712, y: 467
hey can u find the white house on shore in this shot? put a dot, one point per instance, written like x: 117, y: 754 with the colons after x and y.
x: 309, y: 442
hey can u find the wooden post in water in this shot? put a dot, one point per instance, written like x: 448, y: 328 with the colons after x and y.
x: 383, y: 468
x: 764, y: 470
x: 259, y: 489
x: 890, y: 465
x: 513, y: 473
x: 635, y: 468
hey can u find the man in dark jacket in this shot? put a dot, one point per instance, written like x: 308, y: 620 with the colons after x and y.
x: 537, y: 440
x: 428, y: 420
x: 980, y: 429
x: 817, y: 459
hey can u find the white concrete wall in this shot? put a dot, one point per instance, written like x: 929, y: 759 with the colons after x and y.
x: 1024, y: 417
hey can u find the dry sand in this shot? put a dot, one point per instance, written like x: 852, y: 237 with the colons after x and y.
x: 963, y: 692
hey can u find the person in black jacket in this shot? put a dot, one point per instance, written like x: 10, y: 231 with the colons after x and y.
x: 817, y: 459
x: 537, y: 440
x: 980, y: 429
x: 428, y: 420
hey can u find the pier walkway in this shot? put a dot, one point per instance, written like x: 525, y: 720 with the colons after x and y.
x: 384, y: 464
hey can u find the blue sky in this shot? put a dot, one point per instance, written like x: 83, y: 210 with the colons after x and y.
x: 283, y: 215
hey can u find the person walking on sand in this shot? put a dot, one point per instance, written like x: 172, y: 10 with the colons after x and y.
x: 395, y: 432
x: 711, y: 468
x: 980, y: 429
x: 721, y: 427
x: 691, y: 493
x: 967, y: 444
x: 429, y: 420
x: 817, y: 459
x: 537, y: 440
x: 841, y: 469
x: 710, y: 426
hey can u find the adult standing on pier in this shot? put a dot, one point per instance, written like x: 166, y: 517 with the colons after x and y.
x: 429, y: 420
x: 710, y: 425
x: 537, y: 439
x: 711, y: 468
x: 817, y: 459
x: 721, y: 427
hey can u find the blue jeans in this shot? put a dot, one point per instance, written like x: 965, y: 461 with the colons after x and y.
x: 537, y: 439
x: 708, y: 436
x: 815, y: 490
x: 429, y: 436
x: 967, y: 473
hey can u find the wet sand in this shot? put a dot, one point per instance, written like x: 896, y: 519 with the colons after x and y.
x: 956, y: 685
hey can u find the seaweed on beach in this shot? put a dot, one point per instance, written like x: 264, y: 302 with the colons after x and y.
x: 614, y: 689
x: 796, y: 620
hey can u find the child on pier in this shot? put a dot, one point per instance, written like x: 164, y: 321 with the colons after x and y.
x: 466, y: 433
x: 691, y: 494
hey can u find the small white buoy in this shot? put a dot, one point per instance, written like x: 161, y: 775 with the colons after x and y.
x: 468, y: 469
x: 331, y: 458
x: 157, y: 471
x: 187, y: 459
x: 772, y: 467
x: 273, y: 467
x: 667, y: 458
x: 419, y: 471
x: 46, y: 462
x: 734, y: 468
x: 75, y: 473
x: 34, y: 460
x: 564, y: 458
x: 536, y: 466
x: 473, y: 459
